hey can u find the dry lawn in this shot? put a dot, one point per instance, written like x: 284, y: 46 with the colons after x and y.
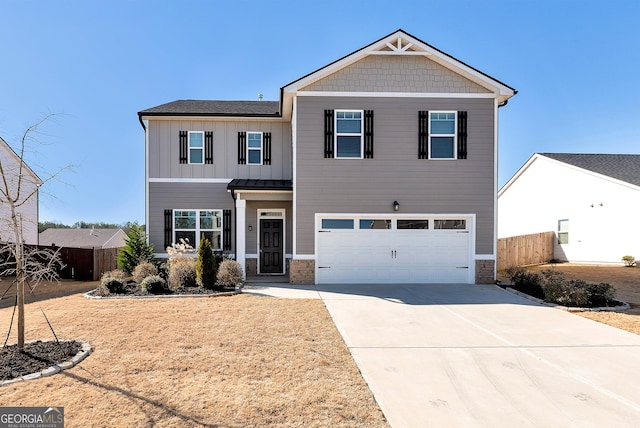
x: 238, y: 361
x: 626, y: 281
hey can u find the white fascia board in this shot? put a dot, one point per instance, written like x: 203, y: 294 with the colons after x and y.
x: 190, y: 180
x: 12, y: 153
x: 205, y: 118
x: 395, y: 94
x: 518, y: 173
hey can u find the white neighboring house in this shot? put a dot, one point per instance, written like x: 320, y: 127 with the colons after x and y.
x: 83, y: 238
x: 12, y: 169
x: 591, y: 201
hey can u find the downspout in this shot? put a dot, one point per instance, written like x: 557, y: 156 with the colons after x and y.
x: 235, y: 223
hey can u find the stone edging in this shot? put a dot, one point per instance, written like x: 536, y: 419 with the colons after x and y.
x: 92, y: 295
x: 624, y: 307
x: 84, y: 353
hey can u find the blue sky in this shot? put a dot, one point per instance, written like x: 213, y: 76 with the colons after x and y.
x: 97, y: 63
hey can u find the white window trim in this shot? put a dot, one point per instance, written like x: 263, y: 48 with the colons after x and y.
x: 255, y: 148
x: 196, y: 148
x: 454, y: 135
x: 565, y: 222
x: 196, y: 244
x: 348, y: 134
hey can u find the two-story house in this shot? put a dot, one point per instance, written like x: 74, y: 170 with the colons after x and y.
x: 379, y: 167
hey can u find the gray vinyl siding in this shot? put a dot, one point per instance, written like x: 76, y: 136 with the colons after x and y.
x: 395, y: 173
x: 164, y: 149
x: 183, y: 196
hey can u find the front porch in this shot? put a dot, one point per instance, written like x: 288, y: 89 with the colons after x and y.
x: 263, y: 225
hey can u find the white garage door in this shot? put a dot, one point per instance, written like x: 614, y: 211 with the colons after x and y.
x: 393, y: 249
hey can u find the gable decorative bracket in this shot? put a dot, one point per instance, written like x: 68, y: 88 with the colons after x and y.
x: 400, y: 46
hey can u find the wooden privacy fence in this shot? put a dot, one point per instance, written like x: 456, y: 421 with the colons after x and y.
x: 525, y: 250
x: 87, y: 264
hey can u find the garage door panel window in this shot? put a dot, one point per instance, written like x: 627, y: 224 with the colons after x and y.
x: 413, y: 224
x: 375, y: 224
x: 450, y: 224
x: 337, y: 223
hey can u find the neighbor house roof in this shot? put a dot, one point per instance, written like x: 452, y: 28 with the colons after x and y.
x: 621, y: 167
x: 83, y: 238
x: 214, y: 108
x: 624, y: 168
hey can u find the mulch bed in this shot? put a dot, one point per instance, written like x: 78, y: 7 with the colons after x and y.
x: 132, y: 288
x: 35, y: 357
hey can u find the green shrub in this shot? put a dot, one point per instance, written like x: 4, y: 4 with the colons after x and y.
x: 182, y: 272
x: 526, y: 282
x: 136, y: 249
x: 206, y: 265
x: 230, y: 274
x: 112, y: 282
x: 629, y: 261
x: 144, y: 270
x: 566, y: 293
x: 153, y: 284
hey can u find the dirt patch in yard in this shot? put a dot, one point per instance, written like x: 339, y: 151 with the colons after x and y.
x: 625, y: 280
x: 228, y: 361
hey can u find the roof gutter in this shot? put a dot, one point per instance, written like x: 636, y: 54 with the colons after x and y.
x: 141, y: 122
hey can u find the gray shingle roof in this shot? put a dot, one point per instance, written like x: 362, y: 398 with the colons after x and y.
x: 83, y: 238
x: 621, y: 167
x: 214, y: 108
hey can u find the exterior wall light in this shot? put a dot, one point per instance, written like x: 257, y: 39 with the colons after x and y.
x: 250, y: 228
x: 396, y: 206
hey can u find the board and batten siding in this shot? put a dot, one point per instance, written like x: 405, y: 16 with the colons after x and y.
x: 199, y: 196
x: 395, y: 173
x: 163, y: 151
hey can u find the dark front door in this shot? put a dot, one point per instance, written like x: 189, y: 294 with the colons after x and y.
x: 271, y: 252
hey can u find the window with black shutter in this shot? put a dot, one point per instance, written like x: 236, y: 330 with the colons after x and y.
x: 442, y: 135
x: 348, y: 134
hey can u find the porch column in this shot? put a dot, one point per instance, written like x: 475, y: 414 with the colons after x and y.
x: 241, y: 227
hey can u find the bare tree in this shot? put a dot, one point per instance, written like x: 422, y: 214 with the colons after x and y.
x: 19, y: 187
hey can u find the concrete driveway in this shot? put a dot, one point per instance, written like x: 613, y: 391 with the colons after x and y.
x: 478, y: 356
